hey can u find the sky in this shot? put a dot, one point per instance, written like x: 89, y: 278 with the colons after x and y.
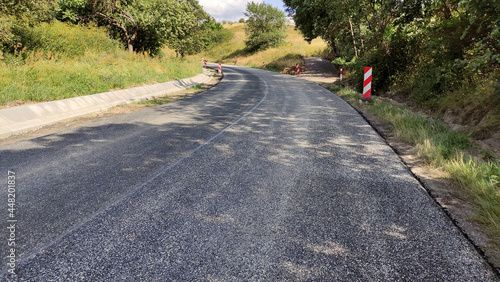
x: 232, y: 10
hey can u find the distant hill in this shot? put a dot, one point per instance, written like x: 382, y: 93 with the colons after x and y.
x: 287, y: 55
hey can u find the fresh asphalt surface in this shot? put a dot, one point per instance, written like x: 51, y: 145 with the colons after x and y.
x: 263, y: 177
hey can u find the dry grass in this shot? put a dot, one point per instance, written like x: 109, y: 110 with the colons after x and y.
x: 287, y: 55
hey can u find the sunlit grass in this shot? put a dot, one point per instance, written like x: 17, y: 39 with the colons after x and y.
x: 38, y: 78
x: 287, y: 55
x: 61, y: 60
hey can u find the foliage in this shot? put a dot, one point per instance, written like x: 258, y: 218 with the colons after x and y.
x: 147, y: 25
x: 195, y: 31
x: 20, y: 12
x: 427, y: 50
x: 35, y: 10
x: 134, y: 22
x: 265, y: 26
x: 65, y: 40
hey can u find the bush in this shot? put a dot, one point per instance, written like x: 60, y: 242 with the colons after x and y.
x: 66, y: 40
x: 217, y: 37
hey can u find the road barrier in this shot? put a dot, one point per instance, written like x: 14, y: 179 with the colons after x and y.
x: 205, y: 64
x: 220, y: 68
x: 340, y: 74
x: 367, y: 86
x: 297, y: 68
x: 264, y: 65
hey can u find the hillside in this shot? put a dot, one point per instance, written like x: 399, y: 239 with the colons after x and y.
x: 58, y: 60
x: 287, y: 55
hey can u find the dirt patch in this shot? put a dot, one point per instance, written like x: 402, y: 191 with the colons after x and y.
x: 102, y: 115
x: 15, y: 103
x: 319, y: 70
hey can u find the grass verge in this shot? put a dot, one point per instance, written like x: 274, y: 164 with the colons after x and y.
x: 448, y: 150
x: 38, y: 78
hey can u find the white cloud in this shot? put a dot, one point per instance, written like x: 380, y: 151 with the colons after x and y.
x: 228, y: 10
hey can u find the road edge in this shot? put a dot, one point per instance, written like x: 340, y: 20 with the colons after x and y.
x: 457, y: 220
x: 28, y: 117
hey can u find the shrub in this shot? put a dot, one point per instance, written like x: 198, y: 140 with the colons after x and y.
x: 65, y: 39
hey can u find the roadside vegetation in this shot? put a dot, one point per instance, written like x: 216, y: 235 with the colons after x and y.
x: 286, y: 55
x: 440, y: 55
x: 478, y: 175
x: 265, y: 26
x: 60, y: 49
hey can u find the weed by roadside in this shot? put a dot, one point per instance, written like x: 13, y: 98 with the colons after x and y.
x: 448, y: 150
x: 176, y: 96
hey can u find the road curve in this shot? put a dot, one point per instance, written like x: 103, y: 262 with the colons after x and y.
x: 263, y: 177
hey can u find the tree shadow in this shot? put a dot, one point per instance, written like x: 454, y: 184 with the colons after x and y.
x: 245, y: 52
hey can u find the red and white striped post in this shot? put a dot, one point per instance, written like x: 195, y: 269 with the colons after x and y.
x: 205, y: 64
x: 264, y: 65
x: 297, y: 68
x: 220, y: 68
x: 340, y: 74
x: 367, y: 86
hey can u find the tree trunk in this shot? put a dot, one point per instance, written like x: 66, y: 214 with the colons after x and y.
x: 353, y: 39
x: 131, y: 40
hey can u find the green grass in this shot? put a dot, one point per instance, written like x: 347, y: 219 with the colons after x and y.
x: 446, y: 149
x: 155, y: 101
x: 59, y: 61
x: 44, y: 80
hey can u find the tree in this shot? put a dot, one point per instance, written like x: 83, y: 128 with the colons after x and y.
x: 21, y: 12
x: 188, y: 28
x: 265, y: 26
x: 356, y: 29
x: 147, y: 25
x: 129, y: 16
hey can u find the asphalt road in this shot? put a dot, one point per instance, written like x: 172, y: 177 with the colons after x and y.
x: 263, y: 177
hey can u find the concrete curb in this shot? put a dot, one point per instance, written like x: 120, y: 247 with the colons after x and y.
x: 23, y: 118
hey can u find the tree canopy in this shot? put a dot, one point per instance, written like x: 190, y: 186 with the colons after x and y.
x: 142, y: 25
x: 453, y: 39
x: 265, y: 26
x: 145, y: 25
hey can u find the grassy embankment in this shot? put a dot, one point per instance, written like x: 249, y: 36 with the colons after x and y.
x: 287, y: 55
x: 60, y: 61
x: 443, y: 148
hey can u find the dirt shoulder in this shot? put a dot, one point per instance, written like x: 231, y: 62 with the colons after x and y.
x: 436, y: 182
